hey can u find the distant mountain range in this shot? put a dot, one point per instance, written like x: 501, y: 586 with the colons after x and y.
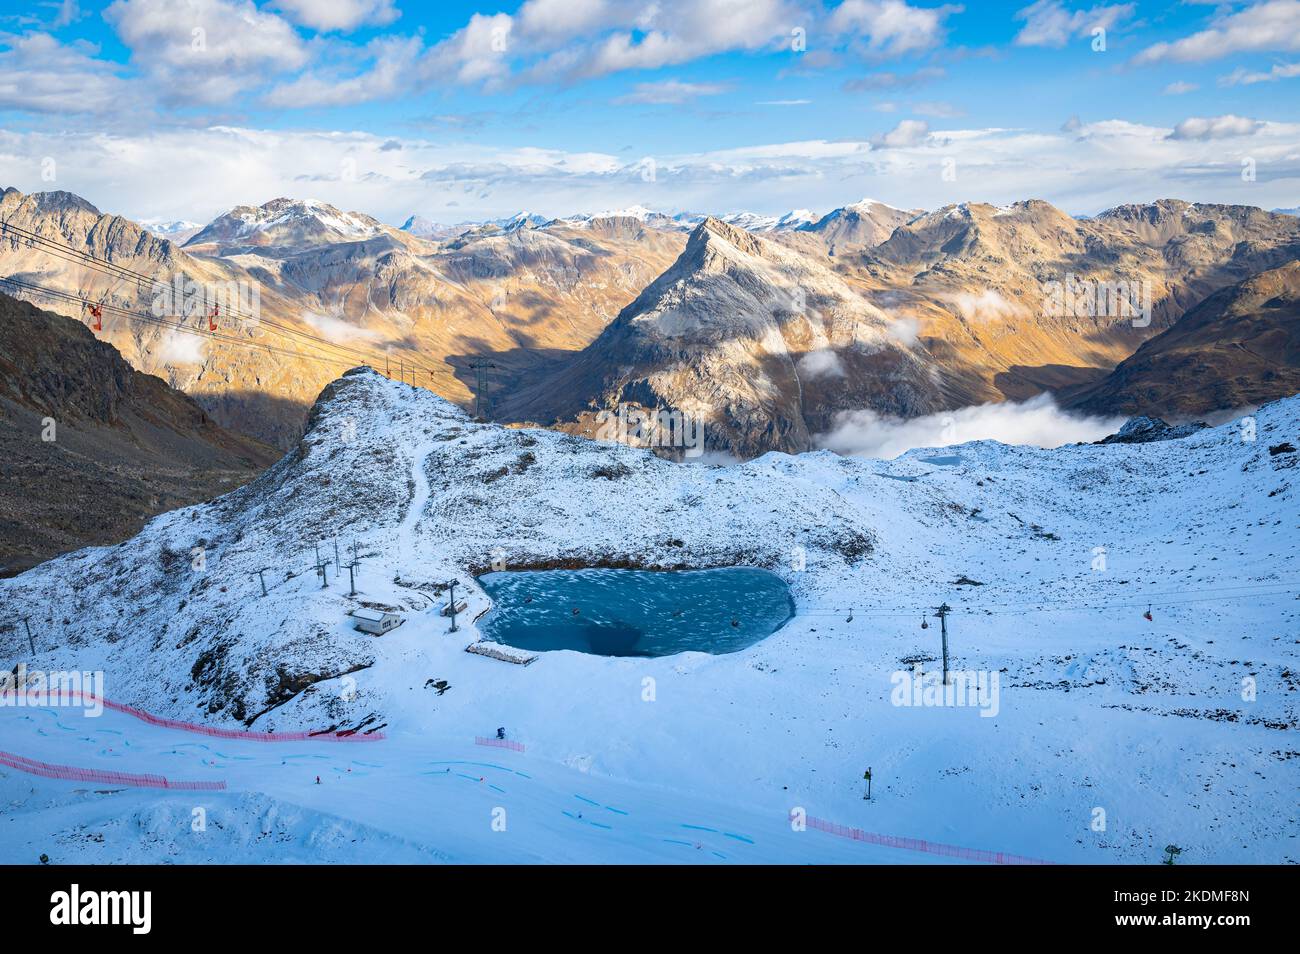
x: 680, y: 221
x: 285, y: 222
x: 176, y: 230
x: 767, y: 326
x: 766, y: 343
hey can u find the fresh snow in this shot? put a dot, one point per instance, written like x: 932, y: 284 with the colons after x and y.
x: 170, y: 227
x: 750, y: 221
x: 688, y: 758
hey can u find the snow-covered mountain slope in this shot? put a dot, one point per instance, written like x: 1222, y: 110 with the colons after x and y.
x: 756, y: 222
x: 175, y: 230
x: 687, y: 221
x: 1099, y: 708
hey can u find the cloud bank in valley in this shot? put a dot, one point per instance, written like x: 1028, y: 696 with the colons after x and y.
x: 1038, y: 422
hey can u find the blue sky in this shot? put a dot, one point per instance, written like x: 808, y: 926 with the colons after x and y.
x: 182, y: 108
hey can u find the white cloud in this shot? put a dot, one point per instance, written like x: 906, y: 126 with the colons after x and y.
x: 1271, y: 25
x: 1179, y: 87
x: 937, y: 109
x: 671, y: 92
x: 823, y: 361
x: 1216, y: 127
x: 555, y: 21
x: 208, y: 170
x: 40, y: 74
x: 1037, y: 422
x: 668, y: 33
x: 69, y: 12
x: 1244, y: 77
x: 337, y: 330
x: 1051, y: 23
x: 906, y: 331
x: 182, y: 347
x: 984, y: 306
x: 477, y: 53
x: 206, y: 51
x: 394, y: 61
x: 909, y: 132
x: 888, y: 80
x: 892, y: 27
x: 342, y: 15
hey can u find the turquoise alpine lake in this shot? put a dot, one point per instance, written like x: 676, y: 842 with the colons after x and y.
x: 635, y: 612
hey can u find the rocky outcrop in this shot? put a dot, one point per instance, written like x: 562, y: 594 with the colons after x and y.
x: 1145, y: 430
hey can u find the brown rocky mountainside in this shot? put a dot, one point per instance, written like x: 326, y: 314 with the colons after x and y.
x: 869, y: 307
x: 973, y: 277
x: 766, y: 342
x: 122, y: 446
x: 348, y: 289
x: 759, y: 343
x: 1238, y: 348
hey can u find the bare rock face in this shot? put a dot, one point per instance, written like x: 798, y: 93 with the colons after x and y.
x: 975, y: 278
x: 765, y: 341
x: 92, y: 447
x: 239, y: 382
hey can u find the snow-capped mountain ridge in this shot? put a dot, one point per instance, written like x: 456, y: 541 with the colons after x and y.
x: 288, y: 221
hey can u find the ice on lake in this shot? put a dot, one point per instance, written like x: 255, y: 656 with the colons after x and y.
x: 635, y: 612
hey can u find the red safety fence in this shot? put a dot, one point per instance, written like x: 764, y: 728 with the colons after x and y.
x: 920, y: 844
x: 72, y: 773
x: 499, y: 743
x: 237, y: 734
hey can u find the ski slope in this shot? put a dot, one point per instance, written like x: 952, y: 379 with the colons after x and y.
x: 690, y: 758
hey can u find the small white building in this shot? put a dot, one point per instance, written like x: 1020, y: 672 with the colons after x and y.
x: 376, y: 621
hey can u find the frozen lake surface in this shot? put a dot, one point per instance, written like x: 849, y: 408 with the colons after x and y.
x: 635, y: 612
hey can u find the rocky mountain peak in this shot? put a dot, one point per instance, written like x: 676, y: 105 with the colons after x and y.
x: 60, y: 201
x: 717, y: 235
